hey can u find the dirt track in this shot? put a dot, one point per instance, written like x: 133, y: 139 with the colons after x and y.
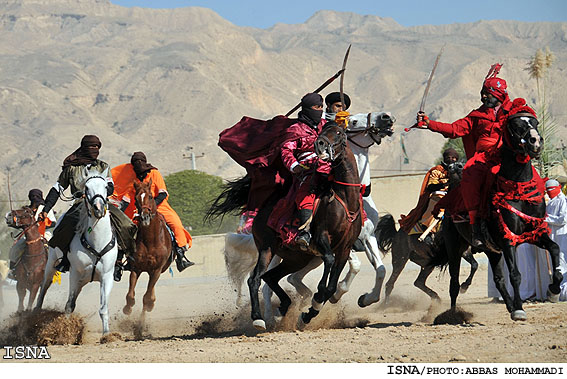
x: 196, y: 320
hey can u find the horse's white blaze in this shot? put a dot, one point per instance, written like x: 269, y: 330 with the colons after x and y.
x: 142, y: 196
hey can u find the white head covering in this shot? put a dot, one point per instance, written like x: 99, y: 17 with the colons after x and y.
x: 551, y: 183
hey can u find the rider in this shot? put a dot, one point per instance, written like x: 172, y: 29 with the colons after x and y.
x: 480, y: 130
x: 145, y: 172
x: 73, y: 175
x: 433, y: 188
x: 35, y: 197
x: 298, y: 156
x: 334, y: 105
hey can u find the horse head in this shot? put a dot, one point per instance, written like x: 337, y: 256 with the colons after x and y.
x: 20, y: 218
x: 96, y: 191
x: 145, y: 202
x: 522, y: 136
x: 365, y: 129
x: 331, y: 142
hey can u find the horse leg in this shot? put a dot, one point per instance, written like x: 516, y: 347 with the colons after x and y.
x: 373, y: 255
x: 106, y: 282
x: 344, y: 285
x: 320, y: 296
x: 267, y: 293
x: 254, y: 281
x: 400, y: 257
x: 272, y: 278
x: 131, y: 295
x: 149, y: 298
x: 420, y: 282
x: 75, y: 287
x: 33, y: 293
x: 296, y: 280
x: 554, y: 288
x: 509, y: 252
x: 495, y: 260
x: 21, y: 289
x: 47, y: 277
x: 469, y: 257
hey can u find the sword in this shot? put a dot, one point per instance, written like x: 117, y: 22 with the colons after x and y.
x: 426, y: 92
x: 342, y: 93
x: 9, y: 192
x: 324, y: 85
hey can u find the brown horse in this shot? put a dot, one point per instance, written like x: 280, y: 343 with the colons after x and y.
x: 30, y: 267
x: 153, y: 248
x: 336, y: 224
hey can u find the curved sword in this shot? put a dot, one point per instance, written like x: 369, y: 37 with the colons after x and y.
x: 426, y: 91
x: 324, y: 85
x: 342, y: 94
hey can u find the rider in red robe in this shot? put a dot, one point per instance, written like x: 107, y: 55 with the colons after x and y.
x: 480, y: 130
x: 298, y: 156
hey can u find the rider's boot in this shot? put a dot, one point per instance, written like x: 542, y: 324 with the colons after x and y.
x: 181, y: 260
x: 477, y: 238
x: 11, y: 273
x: 304, y: 236
x: 119, y: 267
x: 64, y: 264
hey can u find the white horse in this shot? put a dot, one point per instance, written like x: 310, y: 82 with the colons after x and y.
x: 93, y: 250
x: 364, y: 130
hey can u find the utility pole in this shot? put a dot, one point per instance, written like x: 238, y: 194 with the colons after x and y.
x: 193, y: 157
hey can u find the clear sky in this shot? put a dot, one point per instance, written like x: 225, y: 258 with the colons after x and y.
x: 265, y: 13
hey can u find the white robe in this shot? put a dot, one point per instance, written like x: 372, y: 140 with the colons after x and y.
x: 557, y: 220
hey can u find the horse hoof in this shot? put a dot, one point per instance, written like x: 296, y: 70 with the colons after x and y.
x: 127, y: 310
x: 519, y: 315
x: 361, y: 303
x: 259, y: 325
x: 463, y: 289
x: 334, y: 299
x: 554, y: 298
x: 300, y: 322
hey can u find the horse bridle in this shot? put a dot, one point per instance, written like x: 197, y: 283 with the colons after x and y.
x: 331, y: 147
x: 522, y: 137
x: 90, y: 201
x: 146, y: 208
x: 370, y: 129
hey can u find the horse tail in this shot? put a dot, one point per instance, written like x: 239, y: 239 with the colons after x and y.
x: 240, y: 257
x: 232, y: 199
x: 385, y: 232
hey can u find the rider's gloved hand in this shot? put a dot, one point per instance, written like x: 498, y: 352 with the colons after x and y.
x: 422, y: 120
x: 300, y: 168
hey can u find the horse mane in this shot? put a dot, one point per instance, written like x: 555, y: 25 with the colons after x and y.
x: 231, y: 200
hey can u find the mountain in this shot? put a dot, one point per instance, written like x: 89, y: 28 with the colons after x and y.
x: 166, y: 81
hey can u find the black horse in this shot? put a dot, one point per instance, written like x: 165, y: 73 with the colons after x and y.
x: 428, y: 256
x: 510, y: 215
x: 335, y: 226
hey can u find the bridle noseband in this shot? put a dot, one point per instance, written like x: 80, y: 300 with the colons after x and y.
x: 90, y: 201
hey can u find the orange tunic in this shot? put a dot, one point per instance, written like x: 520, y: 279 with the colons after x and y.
x: 123, y: 177
x: 182, y: 236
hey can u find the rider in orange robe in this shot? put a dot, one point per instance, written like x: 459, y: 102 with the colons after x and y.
x: 139, y: 170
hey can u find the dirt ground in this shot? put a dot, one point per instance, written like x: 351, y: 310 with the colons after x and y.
x: 197, y: 320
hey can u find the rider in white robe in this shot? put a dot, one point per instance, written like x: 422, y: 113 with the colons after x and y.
x: 557, y: 221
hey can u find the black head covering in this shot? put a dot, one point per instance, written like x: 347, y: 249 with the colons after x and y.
x: 308, y: 115
x: 335, y: 97
x: 36, y: 198
x: 140, y: 164
x: 86, y: 154
x: 450, y: 152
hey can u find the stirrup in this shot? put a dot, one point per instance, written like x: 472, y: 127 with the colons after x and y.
x: 182, y: 263
x: 117, y: 272
x: 64, y: 265
x: 303, y: 240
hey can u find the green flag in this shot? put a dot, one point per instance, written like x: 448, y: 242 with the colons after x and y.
x: 404, y: 152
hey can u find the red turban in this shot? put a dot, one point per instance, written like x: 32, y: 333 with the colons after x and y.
x: 495, y: 85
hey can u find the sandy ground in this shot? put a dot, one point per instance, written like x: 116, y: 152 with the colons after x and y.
x: 197, y: 320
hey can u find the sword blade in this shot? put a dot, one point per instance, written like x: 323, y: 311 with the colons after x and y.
x: 426, y: 91
x: 341, y: 91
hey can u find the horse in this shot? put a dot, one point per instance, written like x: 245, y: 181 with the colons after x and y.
x: 363, y: 131
x: 30, y: 268
x: 335, y: 225
x: 93, y: 249
x: 428, y: 256
x: 512, y: 213
x: 153, y: 248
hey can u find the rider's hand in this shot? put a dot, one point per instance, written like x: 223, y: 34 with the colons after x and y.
x: 422, y: 120
x: 41, y: 216
x: 300, y: 168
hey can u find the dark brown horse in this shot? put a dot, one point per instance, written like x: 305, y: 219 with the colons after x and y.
x: 336, y: 224
x: 30, y: 267
x: 153, y: 248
